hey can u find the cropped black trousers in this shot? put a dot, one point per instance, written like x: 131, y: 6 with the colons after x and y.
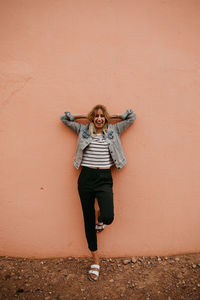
x: 95, y: 183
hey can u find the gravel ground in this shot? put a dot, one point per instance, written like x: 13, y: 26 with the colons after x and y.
x: 146, y: 278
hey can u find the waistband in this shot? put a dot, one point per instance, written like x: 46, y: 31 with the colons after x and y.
x: 95, y: 171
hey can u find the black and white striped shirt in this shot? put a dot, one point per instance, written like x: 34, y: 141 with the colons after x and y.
x: 97, y: 153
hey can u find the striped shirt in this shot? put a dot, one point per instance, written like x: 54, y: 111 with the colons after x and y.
x: 97, y: 153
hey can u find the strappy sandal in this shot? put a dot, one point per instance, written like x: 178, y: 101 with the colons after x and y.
x: 99, y: 226
x: 95, y: 272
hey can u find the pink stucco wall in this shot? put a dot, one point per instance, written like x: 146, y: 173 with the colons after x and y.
x: 70, y: 55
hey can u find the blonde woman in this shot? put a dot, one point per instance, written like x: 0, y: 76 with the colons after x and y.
x: 98, y: 149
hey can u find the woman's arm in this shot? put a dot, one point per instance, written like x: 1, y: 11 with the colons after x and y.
x: 127, y: 119
x: 115, y: 117
x: 69, y: 120
x: 83, y: 116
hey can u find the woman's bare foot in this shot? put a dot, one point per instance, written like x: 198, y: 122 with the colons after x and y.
x: 95, y: 258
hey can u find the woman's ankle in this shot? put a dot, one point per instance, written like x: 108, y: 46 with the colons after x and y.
x: 95, y: 257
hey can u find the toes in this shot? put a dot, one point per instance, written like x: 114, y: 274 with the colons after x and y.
x: 93, y: 277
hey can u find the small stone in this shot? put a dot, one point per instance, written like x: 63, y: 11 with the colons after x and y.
x: 126, y: 261
x: 132, y: 286
x: 198, y: 284
x: 198, y: 265
x: 140, y: 259
x: 111, y: 280
x: 194, y: 266
x: 134, y: 260
x: 47, y: 298
x: 82, y: 290
x: 171, y: 261
x: 71, y: 276
x: 42, y: 262
x: 159, y: 259
x: 166, y: 257
x: 70, y: 258
x: 177, y: 259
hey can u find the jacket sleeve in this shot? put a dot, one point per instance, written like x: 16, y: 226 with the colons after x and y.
x: 128, y: 118
x: 68, y: 120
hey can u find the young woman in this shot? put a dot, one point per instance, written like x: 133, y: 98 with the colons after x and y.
x: 98, y: 149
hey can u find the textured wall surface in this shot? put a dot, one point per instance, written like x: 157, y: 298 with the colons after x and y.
x: 59, y: 56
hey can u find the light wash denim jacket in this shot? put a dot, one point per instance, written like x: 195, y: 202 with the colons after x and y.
x: 112, y: 137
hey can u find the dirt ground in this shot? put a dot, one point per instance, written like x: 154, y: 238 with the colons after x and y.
x: 146, y: 278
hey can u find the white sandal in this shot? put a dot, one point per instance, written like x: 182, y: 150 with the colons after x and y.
x: 99, y: 226
x: 96, y: 272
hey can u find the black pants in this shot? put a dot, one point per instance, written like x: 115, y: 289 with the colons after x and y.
x: 95, y: 183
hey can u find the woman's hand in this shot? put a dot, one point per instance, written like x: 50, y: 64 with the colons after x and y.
x: 75, y: 117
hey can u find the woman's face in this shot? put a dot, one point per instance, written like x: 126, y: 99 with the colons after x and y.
x: 99, y: 119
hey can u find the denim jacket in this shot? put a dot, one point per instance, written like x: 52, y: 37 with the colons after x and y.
x: 112, y: 137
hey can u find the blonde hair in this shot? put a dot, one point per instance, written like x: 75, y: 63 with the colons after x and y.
x: 91, y: 116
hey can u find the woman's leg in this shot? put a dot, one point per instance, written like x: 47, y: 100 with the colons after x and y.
x: 105, y: 201
x: 104, y: 195
x: 86, y: 188
x: 96, y: 260
x: 87, y: 202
